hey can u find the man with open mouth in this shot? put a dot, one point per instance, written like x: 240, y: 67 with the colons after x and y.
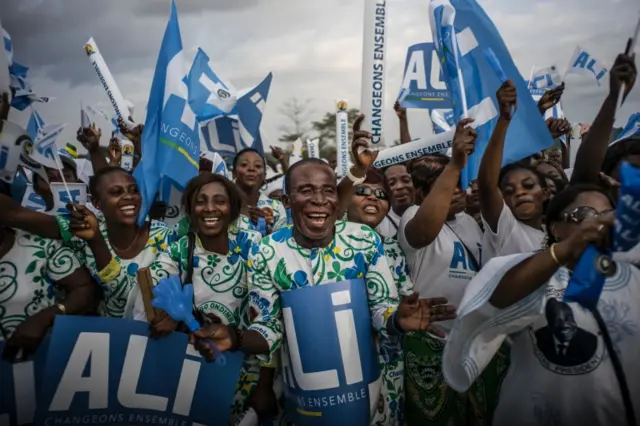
x: 319, y: 250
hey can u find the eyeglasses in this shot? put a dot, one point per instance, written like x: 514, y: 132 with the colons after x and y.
x: 365, y: 191
x: 579, y: 214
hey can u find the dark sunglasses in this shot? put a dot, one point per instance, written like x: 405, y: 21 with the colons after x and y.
x: 581, y: 213
x: 365, y: 191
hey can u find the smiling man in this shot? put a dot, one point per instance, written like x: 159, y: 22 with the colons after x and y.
x: 320, y: 250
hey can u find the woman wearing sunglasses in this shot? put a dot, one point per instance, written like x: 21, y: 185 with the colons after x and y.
x: 369, y: 206
x: 571, y: 364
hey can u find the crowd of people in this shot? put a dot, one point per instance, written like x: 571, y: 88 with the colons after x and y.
x: 464, y: 285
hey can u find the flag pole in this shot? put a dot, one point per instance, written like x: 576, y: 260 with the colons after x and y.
x: 631, y: 45
x: 64, y: 181
x: 55, y: 157
x: 533, y: 68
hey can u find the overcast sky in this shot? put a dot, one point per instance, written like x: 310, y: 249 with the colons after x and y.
x: 313, y: 48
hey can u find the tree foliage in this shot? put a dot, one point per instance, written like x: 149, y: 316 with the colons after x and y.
x: 297, y: 112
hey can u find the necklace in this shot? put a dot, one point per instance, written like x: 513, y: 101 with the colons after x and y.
x: 130, y: 245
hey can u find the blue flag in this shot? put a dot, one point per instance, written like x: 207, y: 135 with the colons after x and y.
x: 209, y: 96
x: 35, y: 124
x: 632, y: 128
x: 423, y: 79
x: 171, y: 140
x: 250, y: 108
x: 462, y: 31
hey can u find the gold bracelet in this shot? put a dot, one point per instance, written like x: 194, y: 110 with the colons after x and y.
x: 552, y: 250
x: 110, y: 272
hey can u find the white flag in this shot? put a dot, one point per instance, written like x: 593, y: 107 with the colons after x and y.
x: 582, y: 62
x: 544, y: 77
x: 44, y: 147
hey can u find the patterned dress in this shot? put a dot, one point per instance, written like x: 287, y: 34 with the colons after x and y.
x: 391, y: 406
x: 28, y: 272
x: 220, y: 288
x: 279, y: 264
x: 117, y: 301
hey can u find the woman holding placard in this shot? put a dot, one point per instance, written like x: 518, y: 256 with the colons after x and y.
x: 218, y: 272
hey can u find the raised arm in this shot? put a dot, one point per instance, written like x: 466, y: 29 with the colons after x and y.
x: 595, y: 143
x: 363, y: 161
x: 425, y: 226
x: 491, y: 201
x: 526, y: 277
x: 401, y: 112
x: 89, y: 137
x: 15, y: 216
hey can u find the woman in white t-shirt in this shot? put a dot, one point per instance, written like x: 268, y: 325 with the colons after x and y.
x: 442, y: 246
x: 571, y: 365
x: 512, y: 199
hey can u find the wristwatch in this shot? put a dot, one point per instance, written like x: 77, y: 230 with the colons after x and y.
x: 353, y: 179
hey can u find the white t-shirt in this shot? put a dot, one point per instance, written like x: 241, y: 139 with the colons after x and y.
x: 513, y: 237
x: 443, y: 268
x: 388, y: 228
x: 561, y: 372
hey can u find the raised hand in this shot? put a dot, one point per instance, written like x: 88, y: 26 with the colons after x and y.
x: 277, y: 153
x: 89, y: 137
x: 362, y: 156
x: 623, y: 71
x: 400, y: 111
x: 83, y: 223
x: 464, y: 141
x: 507, y: 99
x: 592, y: 230
x: 550, y: 98
x: 558, y: 127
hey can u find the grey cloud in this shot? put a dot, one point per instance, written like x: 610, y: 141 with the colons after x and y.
x: 158, y: 8
x: 313, y: 48
x: 49, y: 38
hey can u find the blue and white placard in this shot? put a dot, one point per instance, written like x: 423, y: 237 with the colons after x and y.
x: 108, y: 371
x: 329, y: 360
